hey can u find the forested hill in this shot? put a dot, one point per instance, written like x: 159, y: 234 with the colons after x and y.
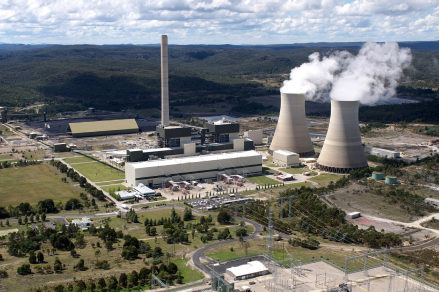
x: 121, y: 77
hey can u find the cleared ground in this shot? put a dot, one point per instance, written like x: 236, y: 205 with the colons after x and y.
x: 356, y: 198
x: 32, y: 184
x: 97, y: 172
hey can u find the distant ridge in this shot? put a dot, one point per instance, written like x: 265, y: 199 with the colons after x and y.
x: 418, y: 45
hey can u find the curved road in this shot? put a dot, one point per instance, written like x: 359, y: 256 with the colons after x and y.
x: 198, y: 254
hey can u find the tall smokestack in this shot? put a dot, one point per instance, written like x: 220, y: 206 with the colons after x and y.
x: 165, y: 87
x: 292, y: 131
x: 343, y: 149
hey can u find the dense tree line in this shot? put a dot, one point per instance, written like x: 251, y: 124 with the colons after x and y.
x: 118, y: 77
x: 168, y: 273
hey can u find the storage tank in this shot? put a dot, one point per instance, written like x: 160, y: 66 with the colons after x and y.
x: 292, y: 131
x: 391, y: 180
x: 343, y: 150
x: 377, y: 175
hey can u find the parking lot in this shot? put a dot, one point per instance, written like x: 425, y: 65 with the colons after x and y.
x: 214, y: 202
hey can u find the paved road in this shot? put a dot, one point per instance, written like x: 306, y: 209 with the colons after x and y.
x: 198, y: 254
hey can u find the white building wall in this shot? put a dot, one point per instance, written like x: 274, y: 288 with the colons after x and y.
x: 254, y: 135
x: 238, y: 144
x: 285, y: 159
x: 200, y: 167
x: 130, y: 175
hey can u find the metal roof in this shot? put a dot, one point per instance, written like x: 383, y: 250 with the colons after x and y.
x: 249, y: 268
x: 285, y: 152
x: 192, y: 159
x: 103, y: 126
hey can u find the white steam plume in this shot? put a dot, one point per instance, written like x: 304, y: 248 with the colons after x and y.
x: 370, y: 76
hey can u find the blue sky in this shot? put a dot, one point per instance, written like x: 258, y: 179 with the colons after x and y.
x: 217, y: 21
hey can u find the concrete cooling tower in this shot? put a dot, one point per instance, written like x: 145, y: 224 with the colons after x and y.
x: 343, y: 149
x: 292, y: 131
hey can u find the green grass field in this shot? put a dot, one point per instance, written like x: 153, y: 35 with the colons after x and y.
x: 293, y: 170
x: 189, y: 274
x: 325, y: 178
x: 268, y: 170
x: 78, y: 159
x: 103, y: 171
x: 6, y: 157
x: 7, y: 231
x: 32, y: 184
x: 34, y: 155
x: 262, y: 180
x: 119, y: 181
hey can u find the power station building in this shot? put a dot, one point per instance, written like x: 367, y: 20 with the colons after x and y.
x: 343, y: 149
x: 102, y: 128
x: 156, y: 172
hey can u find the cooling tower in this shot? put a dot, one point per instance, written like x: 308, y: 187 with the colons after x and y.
x: 343, y: 149
x: 292, y: 131
x: 165, y: 87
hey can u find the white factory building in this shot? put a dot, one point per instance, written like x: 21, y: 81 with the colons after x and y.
x: 250, y: 270
x: 254, y: 135
x: 286, y: 158
x: 155, y: 172
x: 381, y: 152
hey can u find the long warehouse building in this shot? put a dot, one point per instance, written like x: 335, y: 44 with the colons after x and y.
x: 155, y: 172
x: 103, y: 128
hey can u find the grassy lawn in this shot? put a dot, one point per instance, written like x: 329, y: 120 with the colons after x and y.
x: 78, y: 159
x: 6, y: 157
x: 103, y: 171
x: 119, y: 181
x: 114, y: 187
x: 293, y: 170
x: 325, y: 178
x: 268, y: 170
x: 189, y: 273
x: 34, y: 155
x: 7, y: 231
x: 272, y: 165
x: 32, y: 184
x: 262, y: 180
x: 299, y: 185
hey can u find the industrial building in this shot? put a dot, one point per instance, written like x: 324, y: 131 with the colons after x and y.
x: 292, y: 131
x: 343, y: 149
x: 84, y: 222
x: 254, y: 135
x: 157, y: 172
x: 381, y: 152
x: 250, y: 270
x: 60, y: 147
x: 3, y: 118
x: 101, y: 128
x: 354, y: 215
x: 176, y: 141
x: 286, y: 158
x: 431, y: 201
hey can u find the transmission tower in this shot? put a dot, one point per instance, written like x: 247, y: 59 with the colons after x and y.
x: 270, y: 241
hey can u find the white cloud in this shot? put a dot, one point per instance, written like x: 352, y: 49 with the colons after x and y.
x: 217, y: 21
